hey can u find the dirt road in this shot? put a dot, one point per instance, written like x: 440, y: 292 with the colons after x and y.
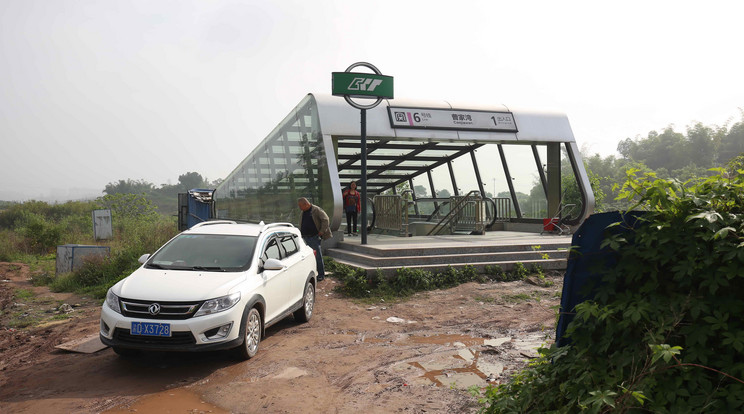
x: 415, y: 356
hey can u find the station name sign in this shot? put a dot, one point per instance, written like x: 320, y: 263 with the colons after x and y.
x: 463, y: 120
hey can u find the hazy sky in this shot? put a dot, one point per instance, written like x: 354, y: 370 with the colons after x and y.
x: 93, y: 91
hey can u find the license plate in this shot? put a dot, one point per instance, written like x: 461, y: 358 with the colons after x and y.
x: 150, y: 329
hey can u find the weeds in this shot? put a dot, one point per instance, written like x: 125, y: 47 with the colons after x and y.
x: 405, y: 281
x: 519, y: 298
x: 29, y: 233
x: 24, y: 294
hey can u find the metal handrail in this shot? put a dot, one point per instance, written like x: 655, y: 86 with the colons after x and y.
x: 455, y: 209
x: 393, y: 211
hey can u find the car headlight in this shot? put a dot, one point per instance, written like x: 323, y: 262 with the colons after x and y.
x: 112, y: 301
x: 220, y: 304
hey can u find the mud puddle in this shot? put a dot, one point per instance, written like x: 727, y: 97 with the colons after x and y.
x: 176, y: 401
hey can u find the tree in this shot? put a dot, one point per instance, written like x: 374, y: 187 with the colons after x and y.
x: 420, y: 191
x: 443, y: 193
x: 732, y: 143
x: 128, y: 206
x: 191, y: 180
x: 701, y: 145
x: 129, y: 186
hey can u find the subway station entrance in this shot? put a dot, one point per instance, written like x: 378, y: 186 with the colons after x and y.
x: 433, y: 168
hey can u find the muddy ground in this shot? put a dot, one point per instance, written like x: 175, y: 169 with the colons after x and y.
x: 414, y: 356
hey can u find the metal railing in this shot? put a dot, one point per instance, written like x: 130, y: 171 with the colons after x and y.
x: 468, y: 210
x: 392, y: 212
x: 503, y: 210
x: 469, y: 213
x: 388, y: 210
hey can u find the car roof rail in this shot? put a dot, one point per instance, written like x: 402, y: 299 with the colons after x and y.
x: 209, y: 223
x: 272, y: 225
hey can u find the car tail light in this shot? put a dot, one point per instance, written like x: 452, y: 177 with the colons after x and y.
x: 315, y: 252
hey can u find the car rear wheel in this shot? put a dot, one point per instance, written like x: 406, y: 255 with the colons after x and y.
x: 308, y: 303
x: 252, y: 338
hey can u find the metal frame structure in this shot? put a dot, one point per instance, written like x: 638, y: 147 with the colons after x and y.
x: 315, y: 152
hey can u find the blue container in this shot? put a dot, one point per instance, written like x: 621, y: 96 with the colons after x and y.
x: 200, y: 204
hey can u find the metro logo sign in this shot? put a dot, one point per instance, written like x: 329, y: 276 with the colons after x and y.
x: 362, y: 85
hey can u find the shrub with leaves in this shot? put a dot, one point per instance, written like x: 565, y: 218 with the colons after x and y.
x: 99, y: 273
x: 41, y: 234
x: 664, y: 331
x: 405, y: 281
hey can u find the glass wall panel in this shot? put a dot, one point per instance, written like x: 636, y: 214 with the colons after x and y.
x: 465, y: 174
x: 526, y: 179
x: 290, y: 163
x: 423, y: 191
x: 494, y: 178
x: 572, y: 201
x: 442, y: 182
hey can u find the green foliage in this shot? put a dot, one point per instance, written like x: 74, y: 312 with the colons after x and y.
x: 128, y: 186
x: 497, y: 274
x: 191, y: 180
x: 30, y: 231
x: 663, y: 332
x: 23, y: 294
x: 9, y: 245
x: 165, y: 197
x: 405, y: 281
x: 99, y: 273
x: 42, y: 235
x: 36, y: 227
x: 128, y: 206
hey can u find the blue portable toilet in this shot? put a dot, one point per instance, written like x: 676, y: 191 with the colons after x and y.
x: 195, y: 207
x: 587, y: 259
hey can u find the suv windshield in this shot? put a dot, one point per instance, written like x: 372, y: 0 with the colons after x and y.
x: 211, y: 252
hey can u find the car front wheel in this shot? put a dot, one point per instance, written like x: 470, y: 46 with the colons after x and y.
x: 252, y: 338
x: 308, y: 303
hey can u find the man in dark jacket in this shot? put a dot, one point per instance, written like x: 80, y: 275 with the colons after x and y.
x: 314, y: 226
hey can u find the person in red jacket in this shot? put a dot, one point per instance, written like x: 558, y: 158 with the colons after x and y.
x: 352, y: 207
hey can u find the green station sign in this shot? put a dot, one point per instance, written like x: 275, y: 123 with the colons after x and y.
x: 362, y: 85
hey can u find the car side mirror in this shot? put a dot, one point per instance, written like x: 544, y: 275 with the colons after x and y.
x: 273, y: 264
x: 144, y: 258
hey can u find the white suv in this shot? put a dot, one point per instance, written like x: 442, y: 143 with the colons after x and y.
x: 215, y: 286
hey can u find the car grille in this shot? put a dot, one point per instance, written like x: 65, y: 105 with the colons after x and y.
x: 167, y: 310
x: 176, y: 338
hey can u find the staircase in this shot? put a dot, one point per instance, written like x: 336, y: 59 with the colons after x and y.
x: 437, y: 253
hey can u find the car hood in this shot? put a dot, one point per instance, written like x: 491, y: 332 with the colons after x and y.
x: 177, y: 285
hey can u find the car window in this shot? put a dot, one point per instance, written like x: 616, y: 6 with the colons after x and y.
x: 289, y: 244
x: 271, y: 251
x: 205, y: 252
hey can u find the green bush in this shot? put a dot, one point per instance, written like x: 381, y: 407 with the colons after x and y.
x: 663, y: 332
x: 41, y: 234
x: 99, y: 273
x: 354, y: 281
x: 9, y: 246
x: 31, y: 230
x: 494, y: 272
x: 405, y: 281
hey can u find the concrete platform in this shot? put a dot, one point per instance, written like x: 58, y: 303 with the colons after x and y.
x: 437, y: 253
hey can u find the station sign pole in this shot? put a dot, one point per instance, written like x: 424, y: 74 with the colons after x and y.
x: 365, y: 86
